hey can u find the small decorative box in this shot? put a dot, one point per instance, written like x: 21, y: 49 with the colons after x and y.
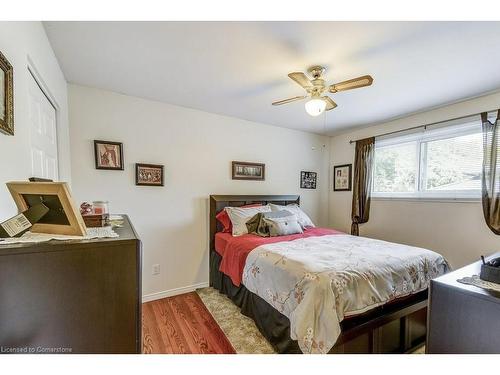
x: 489, y: 273
x: 93, y: 221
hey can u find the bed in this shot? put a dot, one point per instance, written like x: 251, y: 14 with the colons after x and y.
x: 238, y: 268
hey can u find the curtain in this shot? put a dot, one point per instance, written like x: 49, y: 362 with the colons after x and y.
x: 362, y: 184
x: 491, y: 172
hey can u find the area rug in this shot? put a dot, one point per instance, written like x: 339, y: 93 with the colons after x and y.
x: 240, y: 330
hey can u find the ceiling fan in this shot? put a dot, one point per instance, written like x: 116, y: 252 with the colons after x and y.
x: 316, y: 87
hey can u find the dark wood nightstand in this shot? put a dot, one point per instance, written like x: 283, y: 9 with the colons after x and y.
x: 463, y: 318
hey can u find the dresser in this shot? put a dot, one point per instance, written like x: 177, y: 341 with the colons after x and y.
x: 463, y: 318
x: 78, y: 296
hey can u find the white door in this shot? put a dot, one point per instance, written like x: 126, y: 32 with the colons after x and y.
x: 43, y: 134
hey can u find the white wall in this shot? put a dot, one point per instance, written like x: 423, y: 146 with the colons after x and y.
x: 456, y: 230
x: 23, y: 44
x: 197, y: 149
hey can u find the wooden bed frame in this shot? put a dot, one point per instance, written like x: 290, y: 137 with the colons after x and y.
x: 397, y: 327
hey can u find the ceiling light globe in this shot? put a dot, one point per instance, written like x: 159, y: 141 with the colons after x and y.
x: 315, y: 107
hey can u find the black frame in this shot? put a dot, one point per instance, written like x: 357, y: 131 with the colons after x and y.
x: 302, y: 186
x: 119, y: 144
x: 245, y: 163
x: 158, y: 166
x: 335, y: 167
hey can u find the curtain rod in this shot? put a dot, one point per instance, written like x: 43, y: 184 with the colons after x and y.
x: 424, y: 126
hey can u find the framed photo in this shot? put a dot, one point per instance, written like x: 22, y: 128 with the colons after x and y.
x: 148, y: 175
x: 308, y: 180
x: 342, y: 177
x: 242, y: 170
x: 108, y: 155
x: 63, y: 216
x: 6, y: 96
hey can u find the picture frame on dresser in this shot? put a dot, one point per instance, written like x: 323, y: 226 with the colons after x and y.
x: 63, y: 217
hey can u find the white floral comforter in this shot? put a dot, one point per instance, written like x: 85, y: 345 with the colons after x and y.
x: 317, y: 281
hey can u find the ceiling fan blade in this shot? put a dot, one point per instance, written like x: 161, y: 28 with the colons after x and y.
x: 301, y: 79
x: 330, y: 104
x: 351, y: 84
x: 289, y: 100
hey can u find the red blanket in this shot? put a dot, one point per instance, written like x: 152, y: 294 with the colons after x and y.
x: 234, y: 250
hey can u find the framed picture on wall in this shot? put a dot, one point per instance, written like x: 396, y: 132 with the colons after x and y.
x: 242, y: 170
x: 342, y: 177
x: 308, y: 180
x: 6, y: 96
x: 148, y: 174
x: 108, y: 155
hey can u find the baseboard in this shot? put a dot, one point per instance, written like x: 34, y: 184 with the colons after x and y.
x: 173, y: 292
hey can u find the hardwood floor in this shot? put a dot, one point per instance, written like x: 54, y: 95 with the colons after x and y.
x: 181, y: 325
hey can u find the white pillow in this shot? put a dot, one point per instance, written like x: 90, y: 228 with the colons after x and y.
x: 303, y: 219
x: 240, y: 215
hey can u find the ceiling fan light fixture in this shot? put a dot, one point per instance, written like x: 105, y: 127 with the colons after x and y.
x: 316, y: 87
x: 315, y: 107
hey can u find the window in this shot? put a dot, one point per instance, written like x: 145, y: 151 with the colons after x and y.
x: 396, y: 168
x: 440, y: 162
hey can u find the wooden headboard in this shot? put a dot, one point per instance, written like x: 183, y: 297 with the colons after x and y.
x: 218, y: 202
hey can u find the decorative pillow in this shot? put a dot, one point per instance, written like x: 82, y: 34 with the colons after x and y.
x: 223, y: 218
x: 303, y: 219
x: 257, y: 225
x: 240, y: 215
x: 282, y: 225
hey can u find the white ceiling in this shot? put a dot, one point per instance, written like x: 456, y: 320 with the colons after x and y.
x: 239, y: 68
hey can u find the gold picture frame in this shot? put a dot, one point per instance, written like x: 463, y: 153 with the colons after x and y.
x: 63, y: 216
x: 6, y: 96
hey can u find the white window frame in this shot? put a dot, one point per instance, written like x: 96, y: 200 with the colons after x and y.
x: 444, y: 131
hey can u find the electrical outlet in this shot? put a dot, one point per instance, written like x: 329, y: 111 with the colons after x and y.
x: 156, y: 269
